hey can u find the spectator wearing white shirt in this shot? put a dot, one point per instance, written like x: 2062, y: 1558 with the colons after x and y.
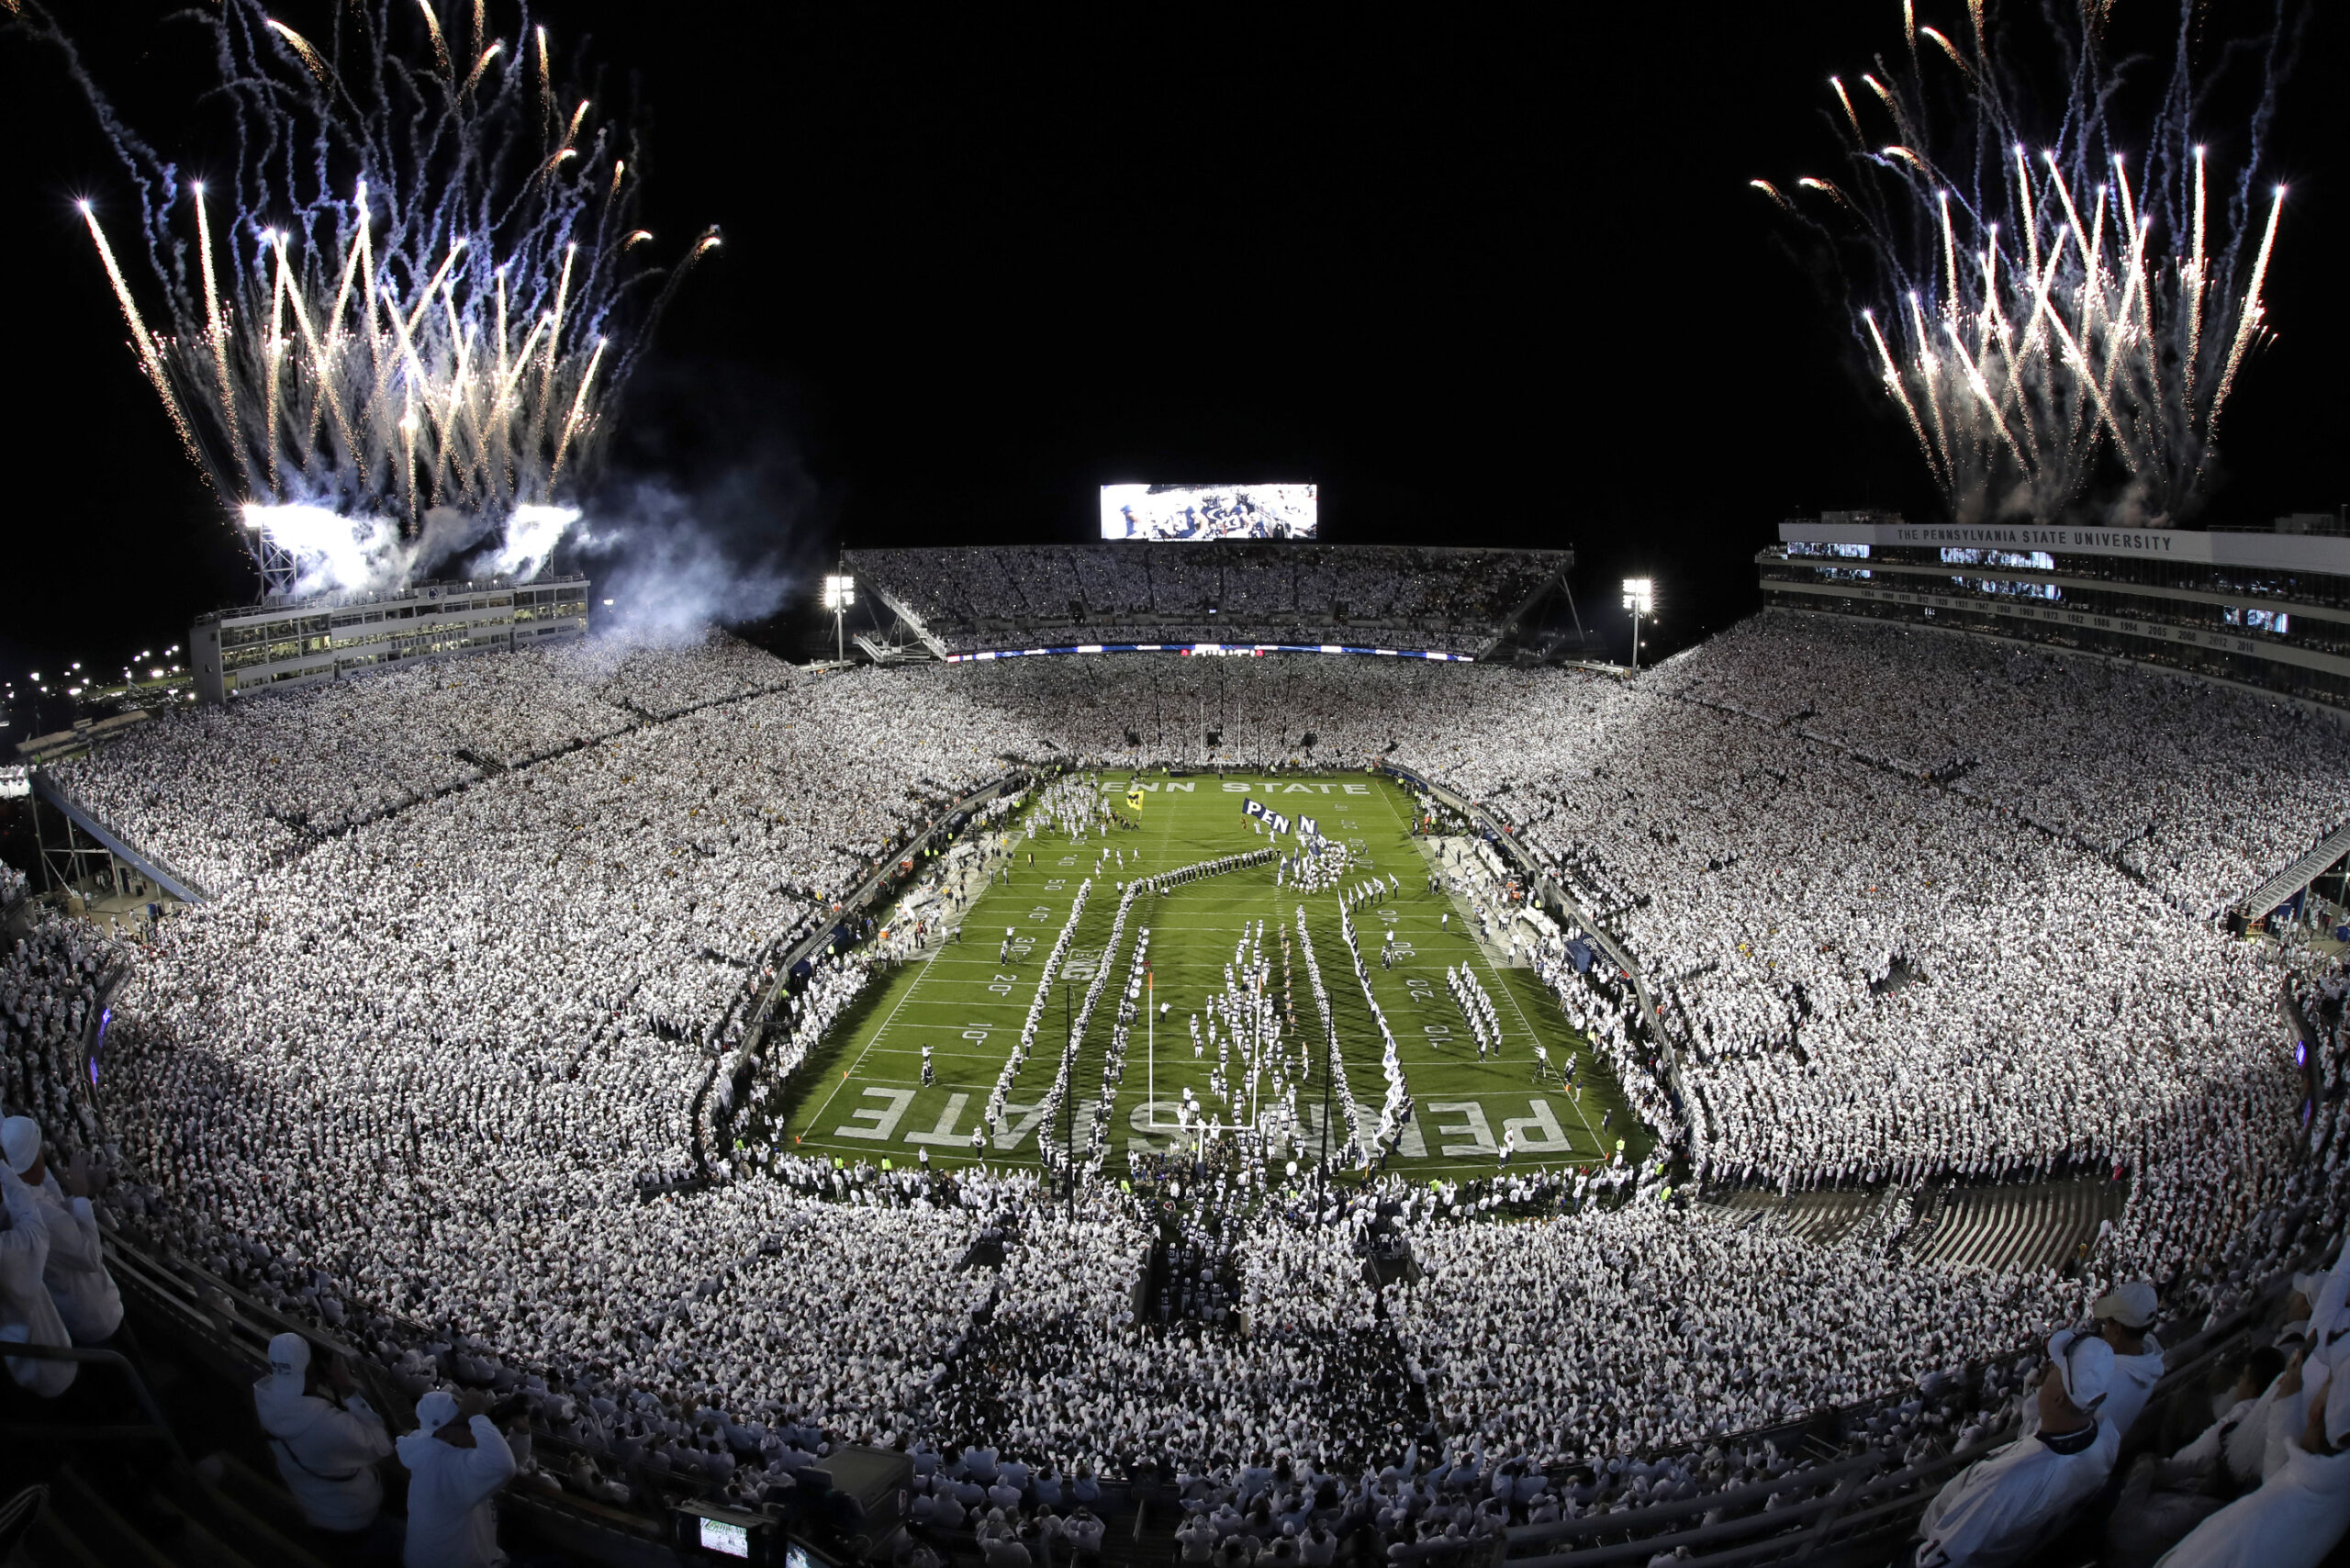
x: 2298, y: 1513
x: 2125, y: 1317
x: 88, y: 1302
x: 326, y: 1439
x: 455, y: 1466
x: 2003, y: 1507
x: 28, y: 1313
x: 2165, y: 1499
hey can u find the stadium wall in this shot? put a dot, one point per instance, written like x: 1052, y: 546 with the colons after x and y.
x: 304, y: 642
x: 2269, y: 612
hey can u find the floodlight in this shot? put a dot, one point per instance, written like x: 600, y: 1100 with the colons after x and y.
x: 1640, y: 598
x: 840, y: 592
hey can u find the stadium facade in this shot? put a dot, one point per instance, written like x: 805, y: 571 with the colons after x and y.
x: 2268, y: 610
x: 1437, y: 602
x: 329, y: 636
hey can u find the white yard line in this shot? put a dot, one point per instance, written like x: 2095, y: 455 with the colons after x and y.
x: 870, y: 1041
x: 1492, y: 971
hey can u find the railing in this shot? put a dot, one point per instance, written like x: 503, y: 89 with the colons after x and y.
x: 1509, y: 623
x: 862, y: 896
x: 911, y: 622
x: 1847, y: 1484
x: 2308, y: 868
x: 235, y: 1328
x: 1865, y: 1500
x: 89, y: 821
x: 152, y: 1429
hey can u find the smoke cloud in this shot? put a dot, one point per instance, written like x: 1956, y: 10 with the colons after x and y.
x: 324, y: 550
x: 669, y: 570
x: 710, y: 514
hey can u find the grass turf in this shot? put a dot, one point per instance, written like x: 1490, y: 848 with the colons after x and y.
x: 860, y: 1096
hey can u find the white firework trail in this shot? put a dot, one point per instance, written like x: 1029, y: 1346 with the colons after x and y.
x: 414, y: 296
x: 2029, y: 348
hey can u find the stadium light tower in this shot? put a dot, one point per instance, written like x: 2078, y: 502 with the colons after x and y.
x: 840, y: 592
x: 1640, y: 598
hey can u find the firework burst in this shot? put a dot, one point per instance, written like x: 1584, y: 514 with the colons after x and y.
x: 2051, y: 293
x: 412, y: 301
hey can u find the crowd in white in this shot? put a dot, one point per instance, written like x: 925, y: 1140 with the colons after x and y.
x: 221, y: 794
x: 495, y: 1008
x: 1453, y: 600
x: 2200, y: 790
x: 810, y: 1012
x: 1538, y: 1331
x: 49, y: 996
x: 419, y: 1059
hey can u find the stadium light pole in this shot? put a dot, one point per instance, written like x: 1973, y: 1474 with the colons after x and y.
x: 840, y: 592
x: 1640, y: 598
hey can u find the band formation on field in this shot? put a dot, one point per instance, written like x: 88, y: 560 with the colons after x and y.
x: 1225, y: 1043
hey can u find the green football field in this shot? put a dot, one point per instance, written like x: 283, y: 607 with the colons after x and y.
x: 861, y: 1096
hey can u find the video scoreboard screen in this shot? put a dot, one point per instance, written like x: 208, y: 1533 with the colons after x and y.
x: 1208, y: 512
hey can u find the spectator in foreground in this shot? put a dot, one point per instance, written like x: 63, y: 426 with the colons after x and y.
x: 2300, y: 1511
x: 2125, y: 1315
x: 85, y: 1295
x: 326, y: 1440
x: 2163, y: 1499
x: 2003, y: 1507
x: 27, y: 1315
x: 457, y: 1459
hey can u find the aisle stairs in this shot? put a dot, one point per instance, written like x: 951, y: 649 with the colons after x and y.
x: 2032, y: 1225
x: 2292, y: 879
x: 2036, y: 1225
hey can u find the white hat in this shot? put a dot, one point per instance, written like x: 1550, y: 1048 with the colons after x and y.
x: 436, y: 1410
x: 2132, y: 1304
x: 289, y: 1355
x: 2084, y: 1366
x: 20, y: 1142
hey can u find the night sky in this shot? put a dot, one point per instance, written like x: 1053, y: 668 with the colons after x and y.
x: 1491, y: 275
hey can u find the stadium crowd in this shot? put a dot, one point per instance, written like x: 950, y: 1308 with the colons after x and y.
x: 2151, y: 772
x: 221, y: 794
x: 973, y: 600
x: 415, y: 1069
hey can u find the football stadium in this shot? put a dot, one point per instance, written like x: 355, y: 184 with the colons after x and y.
x: 1240, y: 1038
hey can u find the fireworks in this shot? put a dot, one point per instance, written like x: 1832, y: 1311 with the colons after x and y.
x: 2053, y: 298
x: 409, y: 307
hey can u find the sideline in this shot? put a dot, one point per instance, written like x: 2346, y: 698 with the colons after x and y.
x: 1494, y: 970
